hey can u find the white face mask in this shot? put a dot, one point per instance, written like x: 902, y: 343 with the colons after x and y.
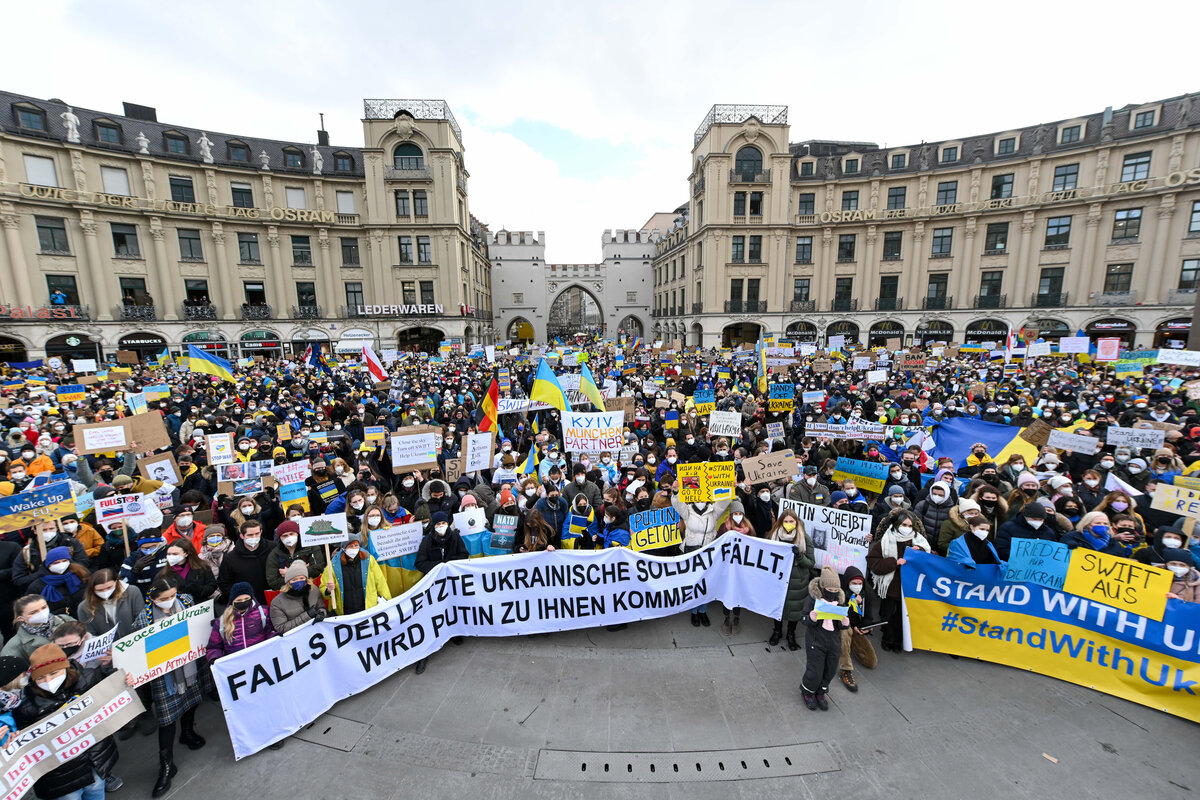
x: 247, y: 510
x: 1066, y: 491
x: 174, y: 560
x: 530, y: 492
x: 51, y: 685
x: 811, y: 481
x: 288, y: 541
x: 1091, y: 483
x: 1180, y: 570
x: 856, y: 588
x: 441, y: 529
x: 580, y: 479
x: 183, y: 521
x: 1035, y: 523
x: 764, y: 496
x: 905, y: 530
x: 897, y: 499
x: 1107, y: 464
x: 1172, y: 542
x: 70, y: 527
x: 981, y: 533
x: 938, y: 498
x: 105, y: 594
x: 252, y: 542
x: 165, y: 605
x: 338, y: 470
x: 40, y: 618
x: 671, y: 459
x: 351, y: 552
x: 60, y: 567
x: 1134, y: 469
x: 374, y: 522
x: 359, y: 506
x: 408, y: 483
x: 737, y: 518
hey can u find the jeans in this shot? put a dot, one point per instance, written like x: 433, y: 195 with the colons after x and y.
x: 703, y: 607
x: 94, y: 791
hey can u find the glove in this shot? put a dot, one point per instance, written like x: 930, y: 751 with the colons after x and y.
x: 144, y: 561
x: 318, y: 613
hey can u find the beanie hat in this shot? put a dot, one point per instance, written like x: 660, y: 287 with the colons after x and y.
x: 1026, y: 479
x: 439, y: 517
x: 578, y: 469
x: 895, y: 488
x: 11, y: 668
x: 736, y: 507
x: 277, y: 452
x: 506, y: 497
x: 122, y: 480
x: 287, y: 526
x: 1059, y: 481
x: 1033, y: 511
x: 297, y: 569
x: 836, y: 496
x: 508, y: 461
x: 240, y: 588
x: 1137, y: 462
x: 46, y: 659
x: 58, y: 554
x: 966, y: 505
x: 829, y: 579
x: 1178, y: 554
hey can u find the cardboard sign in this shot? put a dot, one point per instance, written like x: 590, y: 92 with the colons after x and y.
x: 414, y: 451
x: 396, y: 541
x: 478, y: 451
x: 1037, y: 433
x: 323, y: 529
x: 725, y: 423
x: 1075, y: 442
x: 626, y: 405
x: 1136, y: 438
x: 653, y: 529
x: 166, y: 644
x: 781, y: 397
x: 1119, y: 582
x: 455, y: 467
x: 770, y: 467
x: 162, y: 467
x: 127, y: 357
x: 911, y: 361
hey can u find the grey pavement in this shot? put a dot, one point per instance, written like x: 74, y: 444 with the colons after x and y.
x: 665, y: 707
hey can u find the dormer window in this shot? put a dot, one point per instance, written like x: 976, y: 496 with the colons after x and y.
x: 239, y: 153
x: 177, y: 144
x: 899, y: 160
x: 31, y: 118
x: 851, y: 166
x: 949, y: 154
x: 293, y: 158
x: 107, y: 131
x: 343, y: 162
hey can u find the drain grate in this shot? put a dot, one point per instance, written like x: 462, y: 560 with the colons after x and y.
x: 337, y: 733
x: 696, y: 765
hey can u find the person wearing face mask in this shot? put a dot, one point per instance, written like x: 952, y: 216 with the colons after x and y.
x: 553, y: 458
x: 615, y: 532
x: 822, y: 639
x: 854, y: 638
x: 60, y: 581
x: 1135, y: 473
x: 700, y: 523
x: 54, y: 680
x: 808, y: 489
x: 298, y: 602
x: 246, y: 563
x: 581, y: 528
x: 892, y: 498
x: 553, y: 508
x: 935, y: 508
x: 790, y: 530
x: 107, y: 604
x: 665, y: 474
x: 759, y: 503
x: 955, y: 525
x: 246, y: 509
x: 186, y: 526
x: 1027, y: 491
x: 34, y: 625
x: 1029, y: 523
x: 440, y: 545
x: 287, y: 551
x: 900, y: 531
x: 580, y: 485
x: 1172, y: 536
x: 438, y: 497
x: 178, y: 693
x: 13, y: 671
x: 147, y: 560
x: 216, y: 545
x: 1185, y: 580
x: 1095, y: 532
x: 973, y: 547
x: 244, y: 623
x: 1090, y: 489
x: 195, y: 578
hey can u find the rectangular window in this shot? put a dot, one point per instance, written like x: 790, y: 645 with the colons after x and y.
x: 947, y: 193
x: 133, y: 291
x: 248, y: 252
x: 427, y: 292
x: 889, y: 287
x: 196, y: 292
x: 350, y: 251
x: 63, y: 285
x: 738, y: 252
x: 306, y: 294
x: 115, y: 180
x: 897, y: 197
x: 182, y: 191
x: 1144, y: 119
x: 755, y: 253
x: 739, y: 204
x: 420, y: 203
x: 345, y: 203
x: 408, y: 292
x: 936, y: 289
x: 1066, y: 178
x: 1118, y: 278
x: 31, y: 120
x: 1050, y: 282
x: 1002, y: 186
x: 846, y: 246
x: 949, y: 154
x: 354, y: 294
x: 1189, y: 275
x: 254, y: 292
x: 40, y: 171
x: 631, y: 297
x: 735, y: 289
x: 177, y: 145
x: 806, y: 203
x: 892, y: 245
x: 292, y: 159
x: 899, y: 160
x: 239, y: 154
x: 1136, y: 167
x: 943, y: 242
x: 991, y: 283
x: 295, y: 197
x: 242, y: 195
x: 996, y: 240
x: 756, y: 204
x: 804, y: 249
x: 424, y: 250
x: 843, y: 288
x: 806, y: 169
x: 125, y: 241
x: 343, y: 163
x: 1194, y: 223
x: 302, y: 251
x: 403, y: 207
x: 850, y: 201
x: 190, y: 248
x: 752, y: 285
x: 1058, y: 232
x: 1070, y: 134
x: 1006, y: 146
x: 406, y: 251
x: 801, y: 289
x: 851, y: 166
x: 1127, y: 223
x: 52, y: 234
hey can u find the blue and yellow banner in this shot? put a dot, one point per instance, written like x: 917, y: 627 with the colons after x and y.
x: 70, y: 393
x: 51, y: 502
x: 976, y: 613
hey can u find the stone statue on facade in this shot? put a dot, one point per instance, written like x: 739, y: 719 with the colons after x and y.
x: 264, y: 159
x: 318, y: 160
x: 205, y: 146
x: 143, y: 143
x: 1038, y: 136
x: 71, y: 123
x: 1185, y: 111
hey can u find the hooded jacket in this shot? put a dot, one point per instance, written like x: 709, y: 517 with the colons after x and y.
x: 699, y: 524
x: 932, y: 514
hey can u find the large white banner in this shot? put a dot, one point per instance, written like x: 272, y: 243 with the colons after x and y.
x: 593, y: 433
x: 271, y: 690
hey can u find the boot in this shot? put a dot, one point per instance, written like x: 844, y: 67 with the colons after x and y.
x: 822, y: 703
x: 810, y: 699
x: 421, y: 665
x: 791, y: 637
x: 776, y: 634
x: 166, y: 771
x: 704, y: 620
x: 737, y: 624
x: 727, y: 626
x: 695, y: 619
x: 189, y: 737
x: 848, y: 679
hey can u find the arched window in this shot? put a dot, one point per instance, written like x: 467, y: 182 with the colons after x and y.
x: 748, y: 161
x: 408, y: 156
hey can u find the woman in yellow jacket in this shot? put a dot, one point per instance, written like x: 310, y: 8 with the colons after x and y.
x: 353, y: 580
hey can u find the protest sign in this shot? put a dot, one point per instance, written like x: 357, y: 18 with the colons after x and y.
x: 593, y: 433
x: 725, y: 423
x: 478, y: 451
x: 815, y: 396
x: 861, y: 362
x: 839, y: 537
x: 100, y: 437
x: 283, y: 432
x: 66, y: 734
x: 1075, y: 442
x: 127, y: 357
x: 705, y: 400
x: 1036, y: 349
x: 162, y: 467
x: 1108, y: 349
x: 650, y: 530
x: 694, y: 486
x: 775, y: 430
x: 504, y: 533
x: 868, y: 475
x: 1176, y: 500
x: 512, y: 596
x: 911, y: 361
x: 375, y: 433
x: 1135, y: 438
x: 69, y: 393
x: 855, y: 430
x: 836, y: 342
x: 165, y: 644
x: 413, y: 451
x: 117, y: 507
x: 455, y: 467
x: 782, y: 397
x: 97, y: 647
x: 242, y: 488
x: 396, y: 541
x: 1119, y: 582
x: 974, y: 613
x: 291, y: 472
x: 323, y: 529
x: 1074, y: 344
x: 473, y: 520
x: 220, y: 448
x: 626, y: 405
x: 877, y: 376
x: 770, y: 467
x: 1038, y: 561
x: 1183, y: 358
x: 1037, y: 433
x: 50, y: 502
x: 83, y: 365
x: 291, y: 494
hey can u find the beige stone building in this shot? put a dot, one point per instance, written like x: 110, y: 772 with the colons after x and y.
x: 1088, y: 223
x: 122, y: 232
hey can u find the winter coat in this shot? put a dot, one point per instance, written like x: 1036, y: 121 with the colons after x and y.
x: 432, y: 552
x: 1018, y: 528
x: 797, y: 588
x: 971, y: 551
x: 240, y: 564
x: 589, y: 490
x: 23, y: 643
x: 813, y: 495
x: 126, y: 611
x: 249, y: 629
x: 199, y: 583
x: 1076, y: 539
x: 699, y: 526
x: 26, y: 565
x: 954, y: 527
x: 1187, y: 587
x: 555, y: 514
x: 289, y: 610
x: 374, y: 586
x: 932, y: 515
x: 281, y: 558
x: 877, y: 564
x: 195, y: 535
x: 816, y: 628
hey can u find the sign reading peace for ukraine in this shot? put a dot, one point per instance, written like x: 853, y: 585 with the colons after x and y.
x: 165, y: 644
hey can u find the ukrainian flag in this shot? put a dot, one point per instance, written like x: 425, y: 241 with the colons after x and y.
x: 587, y: 385
x: 531, y: 461
x: 547, y: 389
x: 209, y: 364
x: 955, y: 436
x: 762, y: 365
x: 170, y: 642
x: 164, y: 358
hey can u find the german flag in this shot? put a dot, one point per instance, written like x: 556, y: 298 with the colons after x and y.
x: 490, y: 407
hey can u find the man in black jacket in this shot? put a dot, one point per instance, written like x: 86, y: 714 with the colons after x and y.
x: 440, y: 545
x: 247, y: 561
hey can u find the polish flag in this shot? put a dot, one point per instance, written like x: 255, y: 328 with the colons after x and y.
x: 374, y: 366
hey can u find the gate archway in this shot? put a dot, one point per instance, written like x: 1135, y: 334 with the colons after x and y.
x: 574, y: 310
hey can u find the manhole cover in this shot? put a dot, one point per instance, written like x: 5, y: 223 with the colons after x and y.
x: 338, y: 733
x: 695, y: 765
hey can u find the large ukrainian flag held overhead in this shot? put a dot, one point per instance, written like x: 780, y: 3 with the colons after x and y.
x: 955, y: 436
x: 547, y: 389
x: 587, y: 385
x: 209, y: 364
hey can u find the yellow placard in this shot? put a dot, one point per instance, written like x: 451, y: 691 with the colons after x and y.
x: 1118, y: 582
x: 1177, y: 500
x: 694, y: 484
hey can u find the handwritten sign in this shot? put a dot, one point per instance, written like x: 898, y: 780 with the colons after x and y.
x: 775, y: 430
x: 1183, y: 358
x: 781, y: 398
x: 220, y: 448
x: 1136, y: 438
x: 1119, y: 582
x: 396, y: 541
x: 1038, y: 561
x: 1075, y: 442
x: 653, y: 529
x: 868, y: 475
x: 725, y: 423
x: 839, y: 537
x: 1177, y: 500
x: 165, y: 644
x: 414, y: 451
x: 705, y: 400
x: 97, y: 647
x: 768, y: 467
x: 593, y: 433
x: 478, y: 454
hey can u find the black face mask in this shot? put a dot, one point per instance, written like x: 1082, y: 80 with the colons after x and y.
x: 241, y: 605
x: 71, y: 650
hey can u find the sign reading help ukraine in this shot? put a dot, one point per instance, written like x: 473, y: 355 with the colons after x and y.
x: 274, y: 688
x: 869, y: 475
x: 593, y: 433
x: 975, y: 613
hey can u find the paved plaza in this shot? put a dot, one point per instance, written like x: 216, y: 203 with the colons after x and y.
x: 665, y: 707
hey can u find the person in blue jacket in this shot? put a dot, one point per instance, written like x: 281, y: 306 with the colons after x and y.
x: 580, y: 530
x: 553, y: 508
x: 973, y: 548
x: 11, y: 670
x: 616, y: 528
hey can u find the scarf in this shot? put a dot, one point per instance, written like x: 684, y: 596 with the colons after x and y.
x: 43, y: 631
x: 10, y: 700
x: 53, y: 585
x: 1094, y: 542
x: 889, y: 548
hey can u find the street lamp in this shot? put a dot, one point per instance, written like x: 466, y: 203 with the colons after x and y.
x: 95, y: 339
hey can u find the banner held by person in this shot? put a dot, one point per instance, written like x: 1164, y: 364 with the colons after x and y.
x: 597, y: 432
x: 165, y: 644
x: 50, y: 502
x: 840, y: 538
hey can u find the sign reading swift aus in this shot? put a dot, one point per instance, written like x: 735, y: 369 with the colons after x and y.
x: 276, y: 687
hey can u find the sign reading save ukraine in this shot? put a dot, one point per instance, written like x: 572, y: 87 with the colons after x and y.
x: 49, y: 502
x: 166, y: 644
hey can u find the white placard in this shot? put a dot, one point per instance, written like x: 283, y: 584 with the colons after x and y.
x: 414, y: 448
x: 840, y: 538
x: 396, y: 541
x: 473, y: 520
x: 1184, y: 358
x: 877, y: 376
x: 1035, y: 349
x: 490, y: 352
x: 97, y: 646
x: 1137, y: 438
x: 103, y: 439
x: 291, y: 472
x: 1076, y: 443
x: 725, y: 423
x: 220, y: 448
x: 862, y: 362
x: 83, y: 365
x: 1074, y: 344
x: 836, y: 342
x: 593, y: 433
x: 478, y: 451
x: 324, y: 529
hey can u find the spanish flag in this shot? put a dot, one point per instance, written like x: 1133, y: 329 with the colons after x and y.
x: 209, y: 364
x: 490, y: 407
x: 547, y: 389
x: 587, y: 385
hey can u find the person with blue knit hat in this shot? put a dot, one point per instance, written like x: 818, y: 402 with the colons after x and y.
x: 60, y: 581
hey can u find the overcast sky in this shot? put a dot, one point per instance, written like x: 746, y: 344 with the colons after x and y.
x: 578, y: 117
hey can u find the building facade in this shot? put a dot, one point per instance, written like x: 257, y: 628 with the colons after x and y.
x: 536, y: 301
x: 1090, y: 223
x: 121, y: 232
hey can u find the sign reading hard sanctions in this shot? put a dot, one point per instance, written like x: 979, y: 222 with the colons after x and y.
x: 782, y: 398
x: 165, y: 645
x: 273, y: 689
x: 1118, y: 582
x: 653, y: 529
x: 593, y: 433
x: 1038, y: 561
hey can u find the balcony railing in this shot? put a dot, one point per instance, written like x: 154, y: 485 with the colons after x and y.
x: 748, y: 176
x: 347, y: 219
x: 206, y: 311
x: 410, y: 174
x: 1181, y: 297
x: 306, y: 312
x: 889, y: 303
x: 802, y: 306
x: 697, y: 308
x: 128, y: 313
x: 256, y: 311
x: 462, y: 182
x: 843, y: 304
x: 1116, y: 298
x: 1048, y: 299
x: 302, y: 259
x: 991, y: 301
x: 745, y: 306
x: 698, y: 186
x: 937, y: 303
